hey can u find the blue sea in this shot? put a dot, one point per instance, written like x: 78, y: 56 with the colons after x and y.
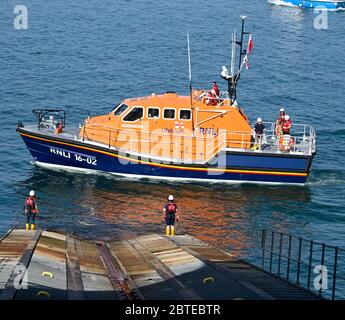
x: 86, y: 56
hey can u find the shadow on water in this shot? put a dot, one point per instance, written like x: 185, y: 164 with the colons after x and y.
x: 112, y: 207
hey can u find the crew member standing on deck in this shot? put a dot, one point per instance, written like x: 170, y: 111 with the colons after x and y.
x: 286, y: 125
x: 170, y: 215
x: 213, y: 95
x: 279, y: 121
x: 259, y: 132
x: 31, y: 210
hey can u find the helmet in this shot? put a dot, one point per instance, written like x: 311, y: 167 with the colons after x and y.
x: 32, y: 193
x: 287, y: 117
x: 171, y: 198
x: 259, y: 120
x: 282, y: 109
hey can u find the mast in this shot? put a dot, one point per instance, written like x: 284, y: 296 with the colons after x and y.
x: 190, y: 82
x: 241, y: 42
x: 233, y: 53
x: 233, y: 77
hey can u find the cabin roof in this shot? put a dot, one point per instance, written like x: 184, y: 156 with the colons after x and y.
x: 168, y: 99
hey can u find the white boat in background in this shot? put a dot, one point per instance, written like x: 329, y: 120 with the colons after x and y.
x: 324, y: 4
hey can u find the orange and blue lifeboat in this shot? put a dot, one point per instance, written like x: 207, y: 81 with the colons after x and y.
x: 169, y: 136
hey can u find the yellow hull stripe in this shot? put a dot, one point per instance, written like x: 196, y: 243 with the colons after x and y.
x: 166, y: 165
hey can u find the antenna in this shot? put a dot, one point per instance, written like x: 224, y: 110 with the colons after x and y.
x: 189, y: 66
x: 234, y: 76
x: 241, y: 42
x: 233, y: 53
x: 190, y: 81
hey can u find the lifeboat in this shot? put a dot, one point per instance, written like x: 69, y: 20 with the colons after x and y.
x: 200, y: 136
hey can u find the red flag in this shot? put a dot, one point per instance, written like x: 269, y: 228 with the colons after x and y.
x: 250, y: 44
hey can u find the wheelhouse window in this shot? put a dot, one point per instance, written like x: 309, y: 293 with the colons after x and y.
x: 120, y: 109
x: 169, y: 113
x: 153, y: 112
x: 185, y: 114
x: 135, y: 114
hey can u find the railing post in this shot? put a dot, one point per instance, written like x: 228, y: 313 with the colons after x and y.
x: 263, y: 246
x: 335, y: 272
x: 109, y: 138
x: 272, y: 246
x: 280, y: 252
x: 289, y: 259
x: 299, y: 259
x: 322, y: 263
x: 310, y: 262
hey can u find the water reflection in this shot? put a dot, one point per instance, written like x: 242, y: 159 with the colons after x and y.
x: 103, y: 206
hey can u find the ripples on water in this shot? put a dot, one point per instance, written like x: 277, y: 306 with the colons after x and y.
x: 87, y: 56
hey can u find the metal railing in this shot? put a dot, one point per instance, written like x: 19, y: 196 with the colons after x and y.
x: 202, y: 95
x: 177, y: 147
x: 308, y: 264
x: 195, y: 148
x: 301, y: 140
x: 49, y: 118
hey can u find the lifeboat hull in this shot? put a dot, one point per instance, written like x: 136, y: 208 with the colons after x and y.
x: 228, y: 166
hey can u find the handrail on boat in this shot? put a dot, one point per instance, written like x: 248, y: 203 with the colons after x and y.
x: 203, y: 148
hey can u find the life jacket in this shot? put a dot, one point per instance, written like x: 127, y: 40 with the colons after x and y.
x: 30, y: 204
x: 286, y: 126
x: 215, y: 90
x: 211, y: 99
x: 58, y: 128
x: 171, y: 207
x: 281, y: 118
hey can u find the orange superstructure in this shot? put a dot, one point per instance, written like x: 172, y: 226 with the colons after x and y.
x: 170, y: 126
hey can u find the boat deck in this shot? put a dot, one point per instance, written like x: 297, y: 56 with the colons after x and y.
x: 51, y: 265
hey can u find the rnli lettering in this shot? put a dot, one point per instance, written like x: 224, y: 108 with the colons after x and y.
x: 61, y: 153
x: 208, y: 131
x: 75, y: 156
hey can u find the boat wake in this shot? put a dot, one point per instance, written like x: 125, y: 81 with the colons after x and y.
x: 326, y: 177
x: 282, y: 3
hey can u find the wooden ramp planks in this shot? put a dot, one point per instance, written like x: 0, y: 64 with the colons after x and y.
x: 46, y: 274
x: 199, y: 279
x: 96, y: 283
x: 255, y: 280
x: 144, y: 276
x: 150, y: 267
x: 15, y: 253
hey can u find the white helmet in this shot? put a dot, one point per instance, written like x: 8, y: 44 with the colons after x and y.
x: 287, y: 117
x: 32, y: 193
x: 259, y: 120
x: 282, y: 109
x: 171, y: 198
